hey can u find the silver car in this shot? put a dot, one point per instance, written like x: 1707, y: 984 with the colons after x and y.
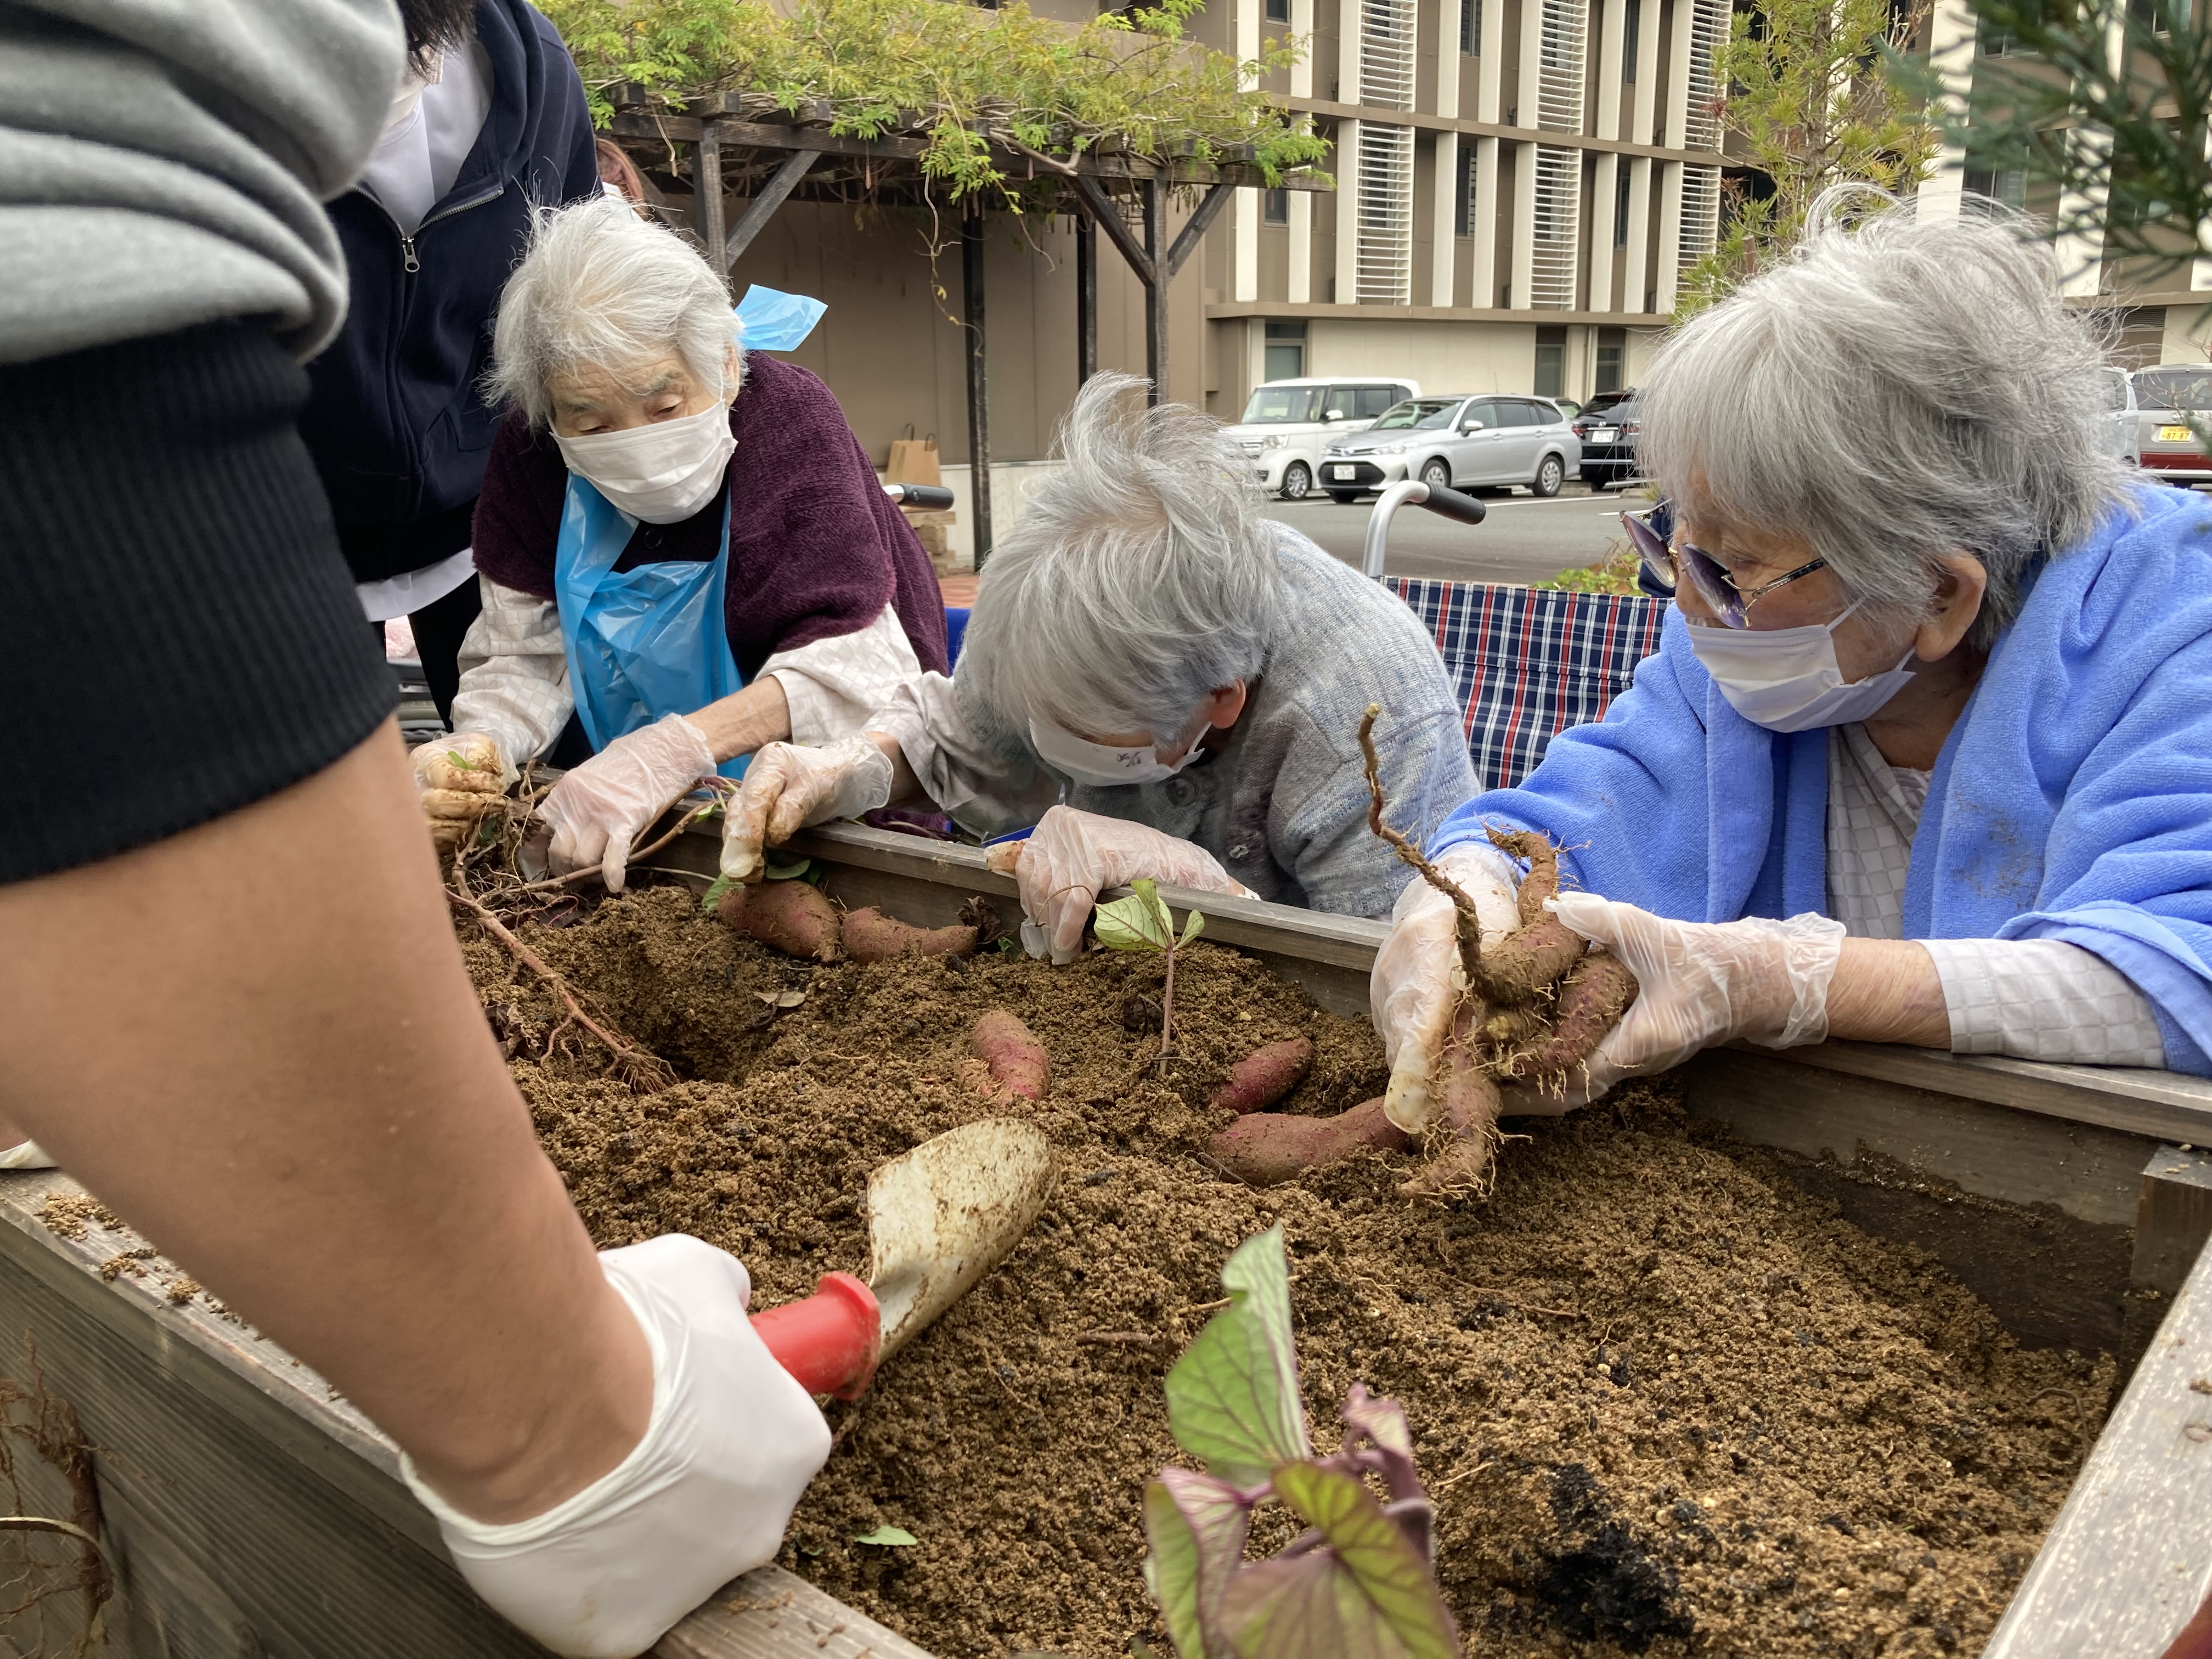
x: 1465, y: 442
x: 2172, y: 404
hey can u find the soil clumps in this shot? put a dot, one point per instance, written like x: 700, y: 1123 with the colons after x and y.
x: 1666, y: 1403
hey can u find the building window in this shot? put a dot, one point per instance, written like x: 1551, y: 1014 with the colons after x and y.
x: 2007, y: 186
x: 1463, y: 198
x: 1275, y: 206
x: 1612, y: 349
x: 1551, y: 361
x: 1994, y: 42
x: 1621, y: 197
x: 1279, y: 11
x: 2156, y: 16
x: 1470, y: 28
x: 1629, y: 35
x: 1285, y: 351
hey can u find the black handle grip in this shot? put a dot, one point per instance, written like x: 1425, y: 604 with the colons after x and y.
x: 1453, y: 505
x: 935, y: 497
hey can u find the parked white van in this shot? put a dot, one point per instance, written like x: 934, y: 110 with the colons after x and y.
x: 1287, y: 421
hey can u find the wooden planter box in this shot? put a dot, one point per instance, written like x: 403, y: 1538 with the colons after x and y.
x: 246, y: 1512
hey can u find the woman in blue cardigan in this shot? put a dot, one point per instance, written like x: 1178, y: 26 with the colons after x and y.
x: 1925, y: 755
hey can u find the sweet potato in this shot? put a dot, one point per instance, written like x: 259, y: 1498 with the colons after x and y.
x: 1464, y: 1133
x: 1268, y: 1148
x: 1528, y: 962
x: 1596, y: 993
x: 1265, y: 1076
x: 1011, y: 1064
x: 872, y: 936
x: 795, y: 916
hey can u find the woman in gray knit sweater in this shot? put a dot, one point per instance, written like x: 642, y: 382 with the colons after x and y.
x: 1164, y: 683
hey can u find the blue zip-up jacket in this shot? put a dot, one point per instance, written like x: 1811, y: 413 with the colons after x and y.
x: 394, y: 420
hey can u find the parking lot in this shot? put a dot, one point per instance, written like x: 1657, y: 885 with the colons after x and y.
x: 1523, y: 540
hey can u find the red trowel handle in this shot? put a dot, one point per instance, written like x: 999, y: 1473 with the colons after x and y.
x: 831, y: 1340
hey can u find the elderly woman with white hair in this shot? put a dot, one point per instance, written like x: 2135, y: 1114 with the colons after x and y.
x: 680, y: 545
x: 1161, y: 680
x: 1925, y: 755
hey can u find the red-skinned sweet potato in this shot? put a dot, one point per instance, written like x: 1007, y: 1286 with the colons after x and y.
x: 1465, y: 1133
x: 1011, y: 1064
x: 795, y: 917
x: 1265, y: 1076
x: 872, y: 936
x: 1523, y: 966
x: 1268, y: 1148
x: 1596, y: 993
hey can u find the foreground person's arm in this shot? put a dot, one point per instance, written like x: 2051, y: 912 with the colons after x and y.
x: 256, y: 1041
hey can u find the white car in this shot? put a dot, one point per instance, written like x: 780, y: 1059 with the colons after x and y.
x: 1287, y: 423
x: 1461, y: 441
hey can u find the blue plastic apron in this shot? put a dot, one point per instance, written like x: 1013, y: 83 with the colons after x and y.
x: 643, y: 643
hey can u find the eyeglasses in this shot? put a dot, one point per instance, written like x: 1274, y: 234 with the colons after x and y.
x: 1666, y: 556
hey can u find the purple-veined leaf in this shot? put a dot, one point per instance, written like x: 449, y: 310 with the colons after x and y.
x: 1196, y: 1525
x: 1380, y: 1422
x: 1366, y: 1594
x: 1233, y: 1397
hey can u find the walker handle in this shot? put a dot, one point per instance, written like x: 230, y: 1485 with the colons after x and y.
x: 933, y: 497
x: 829, y: 1341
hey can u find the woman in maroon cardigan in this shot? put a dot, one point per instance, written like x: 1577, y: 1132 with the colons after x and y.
x: 681, y: 546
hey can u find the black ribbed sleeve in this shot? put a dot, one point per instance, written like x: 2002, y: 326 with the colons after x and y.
x: 179, y: 634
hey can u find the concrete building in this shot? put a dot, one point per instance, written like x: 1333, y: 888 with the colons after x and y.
x: 2157, y: 315
x: 1519, y: 185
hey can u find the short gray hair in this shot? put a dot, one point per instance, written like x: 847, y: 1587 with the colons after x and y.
x: 600, y: 288
x: 1141, y: 578
x: 1896, y: 389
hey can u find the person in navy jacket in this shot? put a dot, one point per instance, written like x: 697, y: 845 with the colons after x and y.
x: 490, y: 121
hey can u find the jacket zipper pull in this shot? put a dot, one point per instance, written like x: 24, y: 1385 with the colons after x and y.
x: 408, y: 260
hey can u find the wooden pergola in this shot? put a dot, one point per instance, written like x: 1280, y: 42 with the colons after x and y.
x: 743, y: 143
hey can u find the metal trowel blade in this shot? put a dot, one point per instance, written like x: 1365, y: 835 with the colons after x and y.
x: 946, y: 1213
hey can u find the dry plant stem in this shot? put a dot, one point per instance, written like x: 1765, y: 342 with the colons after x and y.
x: 641, y: 1069
x: 1167, y: 1003
x: 1469, y: 922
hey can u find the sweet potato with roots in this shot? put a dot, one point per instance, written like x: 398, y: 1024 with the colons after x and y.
x: 1596, y: 993
x: 1268, y: 1148
x: 1265, y: 1076
x: 795, y: 917
x: 1538, y: 1000
x: 1011, y: 1064
x: 872, y: 936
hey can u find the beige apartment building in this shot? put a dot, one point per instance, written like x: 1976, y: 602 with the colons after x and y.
x: 1520, y: 184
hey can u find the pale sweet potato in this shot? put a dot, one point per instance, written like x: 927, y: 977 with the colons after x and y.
x: 795, y: 917
x: 1464, y: 1133
x: 872, y: 936
x: 1265, y: 1076
x: 1268, y: 1148
x: 1011, y: 1064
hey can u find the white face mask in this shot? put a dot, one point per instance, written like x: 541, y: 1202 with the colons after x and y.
x: 1101, y: 763
x: 1788, y: 680
x: 662, y: 472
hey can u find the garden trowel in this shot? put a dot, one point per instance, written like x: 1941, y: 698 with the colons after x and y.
x: 939, y: 1219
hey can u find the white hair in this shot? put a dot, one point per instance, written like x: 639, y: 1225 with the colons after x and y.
x: 1139, y: 580
x: 1896, y: 389
x: 600, y: 288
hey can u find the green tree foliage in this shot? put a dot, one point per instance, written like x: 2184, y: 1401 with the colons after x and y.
x: 971, y: 76
x: 2068, y: 98
x: 1809, y: 106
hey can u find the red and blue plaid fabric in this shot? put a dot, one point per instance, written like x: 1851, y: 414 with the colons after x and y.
x: 1529, y: 662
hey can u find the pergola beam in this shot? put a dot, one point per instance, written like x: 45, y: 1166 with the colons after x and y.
x: 773, y: 196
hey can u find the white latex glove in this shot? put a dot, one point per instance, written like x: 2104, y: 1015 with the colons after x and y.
x: 788, y: 787
x: 705, y: 1495
x: 599, y: 809
x: 1700, y: 984
x: 1071, y: 856
x: 1416, y: 981
x: 457, y: 780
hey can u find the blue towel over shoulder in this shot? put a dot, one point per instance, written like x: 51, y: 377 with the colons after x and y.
x: 2072, y: 801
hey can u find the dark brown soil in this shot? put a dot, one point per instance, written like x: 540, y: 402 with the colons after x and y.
x: 1668, y: 1403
